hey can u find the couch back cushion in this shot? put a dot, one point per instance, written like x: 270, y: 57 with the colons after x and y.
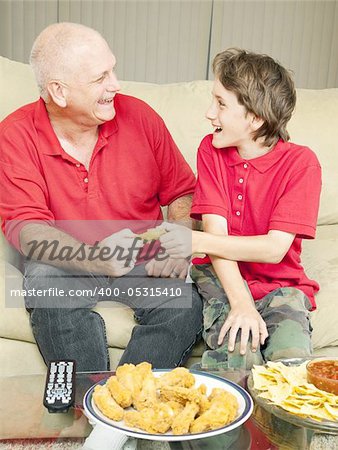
x: 183, y: 107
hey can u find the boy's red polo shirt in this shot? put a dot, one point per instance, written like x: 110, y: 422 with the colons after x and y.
x: 277, y: 191
x: 134, y: 170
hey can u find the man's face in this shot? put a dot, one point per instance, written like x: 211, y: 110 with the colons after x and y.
x: 92, y: 84
x: 230, y: 119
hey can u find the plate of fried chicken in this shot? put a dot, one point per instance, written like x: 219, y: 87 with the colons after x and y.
x: 167, y: 405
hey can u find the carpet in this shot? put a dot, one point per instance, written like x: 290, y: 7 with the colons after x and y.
x: 68, y: 444
x: 41, y: 444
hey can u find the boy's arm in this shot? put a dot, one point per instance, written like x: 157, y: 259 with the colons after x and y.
x: 243, y: 315
x: 268, y: 248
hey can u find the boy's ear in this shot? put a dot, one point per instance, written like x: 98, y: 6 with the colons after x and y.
x: 58, y: 93
x: 256, y: 122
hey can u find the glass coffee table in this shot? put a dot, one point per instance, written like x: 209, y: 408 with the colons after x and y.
x: 23, y: 417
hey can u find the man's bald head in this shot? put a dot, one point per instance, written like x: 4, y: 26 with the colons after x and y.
x: 55, y: 49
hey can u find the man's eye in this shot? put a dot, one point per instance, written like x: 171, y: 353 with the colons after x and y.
x: 100, y: 79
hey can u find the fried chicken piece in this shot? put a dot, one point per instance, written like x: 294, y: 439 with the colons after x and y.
x: 120, y: 394
x: 130, y: 378
x: 180, y: 394
x: 202, y: 388
x: 147, y: 397
x: 183, y: 420
x: 125, y: 376
x: 106, y: 404
x: 176, y: 407
x: 177, y: 377
x: 157, y: 419
x: 144, y: 369
x: 223, y: 410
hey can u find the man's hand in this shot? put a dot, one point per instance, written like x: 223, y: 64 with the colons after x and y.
x: 124, y: 247
x: 177, y: 241
x: 248, y: 320
x: 167, y: 268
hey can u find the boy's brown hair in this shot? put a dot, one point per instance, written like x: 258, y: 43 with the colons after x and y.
x: 262, y: 86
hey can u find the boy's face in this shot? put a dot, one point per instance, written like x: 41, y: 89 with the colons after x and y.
x: 233, y: 124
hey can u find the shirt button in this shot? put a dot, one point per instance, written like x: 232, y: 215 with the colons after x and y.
x: 240, y: 180
x: 240, y: 197
x: 238, y: 213
x: 78, y: 165
x: 86, y: 180
x: 245, y: 166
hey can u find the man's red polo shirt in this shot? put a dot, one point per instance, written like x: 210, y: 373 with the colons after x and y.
x: 277, y: 191
x: 135, y: 169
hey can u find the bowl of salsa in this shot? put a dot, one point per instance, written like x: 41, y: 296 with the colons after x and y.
x: 323, y: 373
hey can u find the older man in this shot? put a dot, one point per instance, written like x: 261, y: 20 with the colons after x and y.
x: 85, y: 169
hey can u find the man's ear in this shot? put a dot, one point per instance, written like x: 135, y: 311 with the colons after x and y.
x: 57, y: 92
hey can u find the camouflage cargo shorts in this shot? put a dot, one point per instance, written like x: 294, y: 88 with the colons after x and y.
x: 284, y: 310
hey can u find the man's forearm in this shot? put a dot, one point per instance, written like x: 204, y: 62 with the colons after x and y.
x: 179, y: 210
x: 50, y: 245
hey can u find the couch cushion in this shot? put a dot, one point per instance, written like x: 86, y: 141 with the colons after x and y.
x: 17, y: 86
x: 314, y: 124
x: 320, y: 260
x: 14, y: 319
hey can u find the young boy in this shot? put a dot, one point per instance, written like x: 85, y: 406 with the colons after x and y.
x: 258, y: 197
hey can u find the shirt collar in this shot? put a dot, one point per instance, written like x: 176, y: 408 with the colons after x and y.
x: 50, y: 144
x: 261, y: 163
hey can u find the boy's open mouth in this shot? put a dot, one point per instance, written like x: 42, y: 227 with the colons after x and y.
x: 218, y: 130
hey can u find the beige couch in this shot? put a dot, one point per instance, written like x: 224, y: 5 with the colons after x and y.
x: 183, y: 106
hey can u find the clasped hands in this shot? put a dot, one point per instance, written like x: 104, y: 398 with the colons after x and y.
x: 125, y: 246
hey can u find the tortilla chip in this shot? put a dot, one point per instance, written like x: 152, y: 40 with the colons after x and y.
x: 287, y: 387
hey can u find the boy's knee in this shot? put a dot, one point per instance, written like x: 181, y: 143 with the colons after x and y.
x: 221, y: 358
x: 288, y: 353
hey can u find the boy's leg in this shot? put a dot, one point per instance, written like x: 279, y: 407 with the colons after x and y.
x: 215, y: 311
x: 286, y: 314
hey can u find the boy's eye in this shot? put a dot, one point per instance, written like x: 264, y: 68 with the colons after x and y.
x: 221, y: 103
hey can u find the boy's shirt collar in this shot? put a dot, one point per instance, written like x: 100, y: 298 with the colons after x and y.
x: 261, y: 163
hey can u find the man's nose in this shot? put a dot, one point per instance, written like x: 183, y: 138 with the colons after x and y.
x: 113, y: 83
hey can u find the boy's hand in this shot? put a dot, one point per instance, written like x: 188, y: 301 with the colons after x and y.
x: 177, y: 241
x: 249, y: 321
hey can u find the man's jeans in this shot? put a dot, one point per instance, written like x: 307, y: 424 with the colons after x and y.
x: 65, y: 327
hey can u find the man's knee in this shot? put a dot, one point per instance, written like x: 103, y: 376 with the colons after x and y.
x: 39, y: 274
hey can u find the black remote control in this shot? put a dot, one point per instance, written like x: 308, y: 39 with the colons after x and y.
x: 59, y: 392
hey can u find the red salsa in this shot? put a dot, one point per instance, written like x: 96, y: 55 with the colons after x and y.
x: 324, y: 375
